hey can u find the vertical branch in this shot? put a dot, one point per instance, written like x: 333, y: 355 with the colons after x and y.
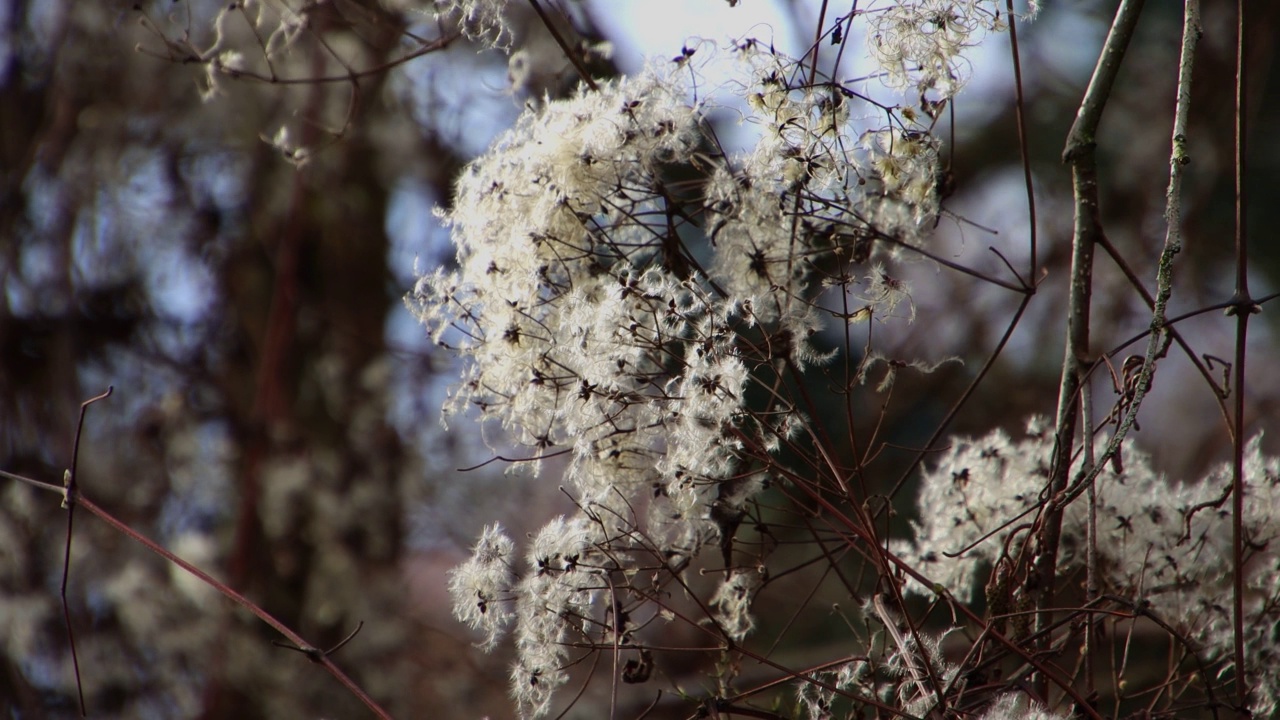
x: 1093, y: 585
x: 817, y: 43
x: 1158, y: 341
x: 1160, y: 331
x: 1020, y: 117
x: 1080, y: 154
x: 70, y: 493
x: 1243, y: 307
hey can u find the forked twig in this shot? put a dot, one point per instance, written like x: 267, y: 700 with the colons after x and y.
x: 314, y: 654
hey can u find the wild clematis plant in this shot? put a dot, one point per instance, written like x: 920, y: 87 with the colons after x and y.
x: 633, y: 298
x: 592, y: 327
x: 1163, y: 542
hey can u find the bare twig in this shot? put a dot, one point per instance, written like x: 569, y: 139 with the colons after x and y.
x: 38, y: 484
x: 564, y: 45
x: 1079, y: 153
x: 1244, y: 306
x: 1019, y: 117
x: 241, y: 600
x: 68, y: 502
x: 1178, y: 159
x: 185, y: 54
x: 1092, y: 584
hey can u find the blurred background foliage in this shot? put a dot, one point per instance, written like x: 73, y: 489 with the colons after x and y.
x: 275, y: 413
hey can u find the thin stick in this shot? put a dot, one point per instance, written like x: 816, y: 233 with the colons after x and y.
x: 1092, y: 584
x: 1178, y: 160
x: 308, y: 649
x: 69, y: 492
x: 564, y: 45
x: 1244, y: 307
x: 1018, y: 105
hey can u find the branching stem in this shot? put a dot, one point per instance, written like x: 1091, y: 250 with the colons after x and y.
x: 1080, y: 155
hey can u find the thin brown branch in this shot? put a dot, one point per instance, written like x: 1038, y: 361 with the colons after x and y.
x: 69, y: 492
x: 568, y: 51
x: 1020, y: 119
x: 72, y: 497
x: 1243, y: 309
x: 320, y: 658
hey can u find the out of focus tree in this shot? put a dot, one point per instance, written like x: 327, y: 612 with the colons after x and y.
x: 216, y: 245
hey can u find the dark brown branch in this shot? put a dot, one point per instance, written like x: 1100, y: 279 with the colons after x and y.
x: 1243, y: 309
x: 69, y: 492
x: 564, y: 45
